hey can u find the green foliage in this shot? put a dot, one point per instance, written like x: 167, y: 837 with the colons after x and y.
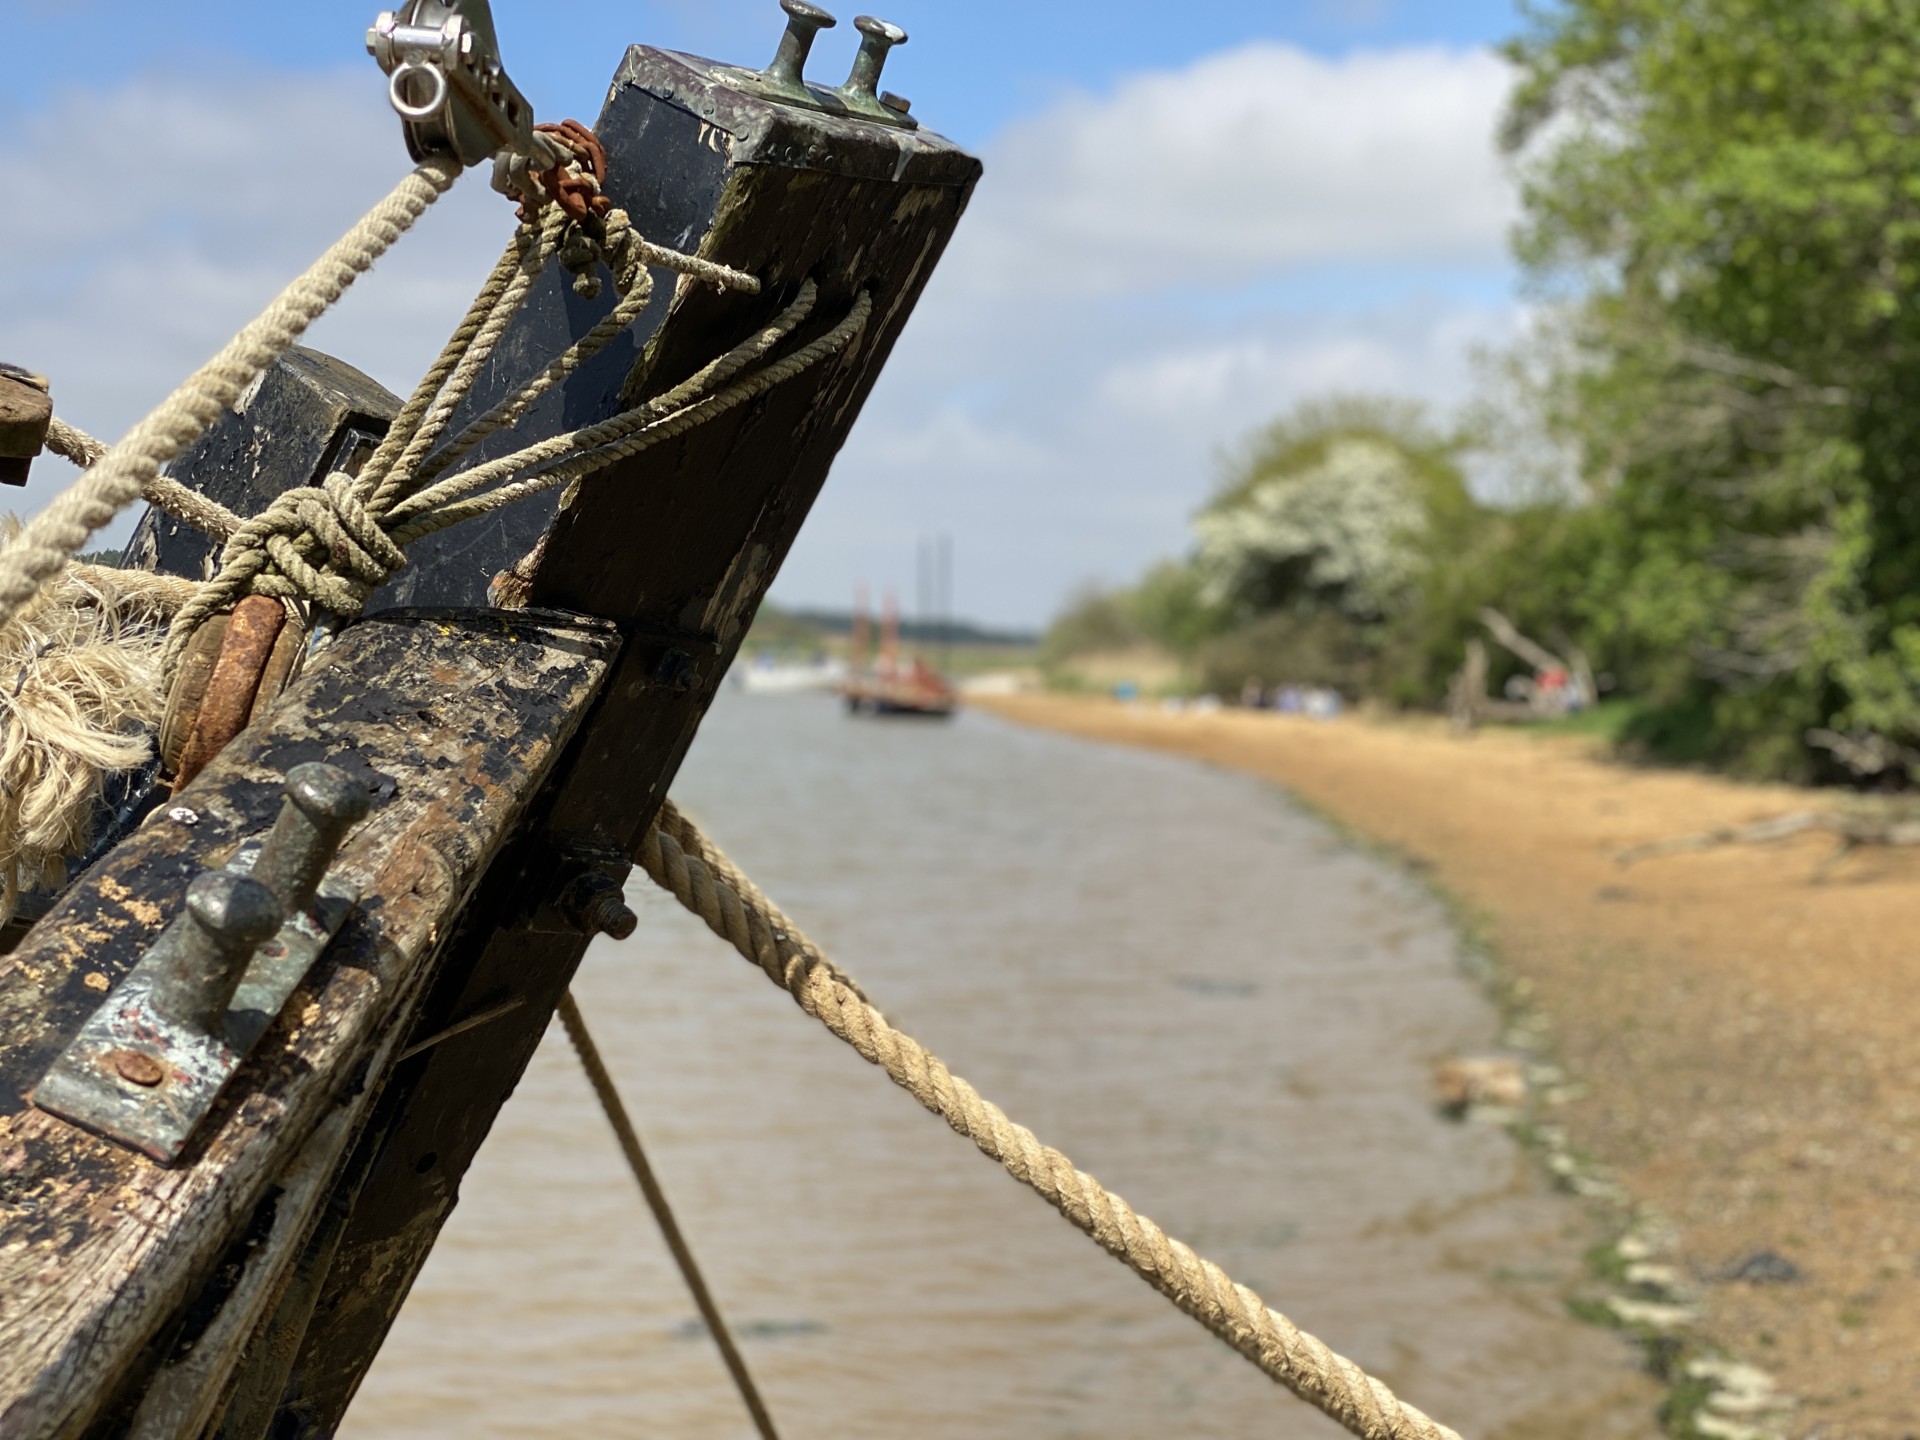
x: 775, y: 629
x: 1170, y: 607
x: 1733, y: 193
x: 1328, y: 509
x: 1094, y: 620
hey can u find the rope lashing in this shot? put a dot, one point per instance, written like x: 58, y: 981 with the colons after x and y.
x: 117, y: 479
x: 357, y: 549
x: 684, y: 862
x: 656, y: 1198
x: 335, y: 543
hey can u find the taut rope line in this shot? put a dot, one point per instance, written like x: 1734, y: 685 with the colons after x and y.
x: 694, y: 870
x: 629, y: 1138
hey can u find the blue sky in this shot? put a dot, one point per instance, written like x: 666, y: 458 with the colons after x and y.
x: 971, y: 64
x: 1193, y: 217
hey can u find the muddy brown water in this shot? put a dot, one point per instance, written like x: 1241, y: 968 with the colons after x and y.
x: 1199, y: 991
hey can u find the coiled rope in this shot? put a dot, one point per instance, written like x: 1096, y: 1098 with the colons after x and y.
x: 684, y: 862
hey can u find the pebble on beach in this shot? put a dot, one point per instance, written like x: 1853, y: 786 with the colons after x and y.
x: 1464, y: 1081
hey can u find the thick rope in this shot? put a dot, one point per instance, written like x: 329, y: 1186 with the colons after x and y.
x: 688, y: 865
x: 715, y: 372
x: 629, y: 1138
x: 360, y: 547
x: 70, y: 442
x: 54, y: 536
x: 453, y: 511
x: 336, y: 542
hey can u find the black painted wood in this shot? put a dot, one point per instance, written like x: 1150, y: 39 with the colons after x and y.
x: 453, y: 721
x: 678, y: 547
x: 307, y: 415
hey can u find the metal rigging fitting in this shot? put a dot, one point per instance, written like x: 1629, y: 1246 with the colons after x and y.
x: 877, y: 38
x: 148, y: 1065
x: 446, y: 81
x: 784, y: 78
x: 787, y: 70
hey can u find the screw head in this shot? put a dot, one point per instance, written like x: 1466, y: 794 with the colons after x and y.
x: 137, y: 1068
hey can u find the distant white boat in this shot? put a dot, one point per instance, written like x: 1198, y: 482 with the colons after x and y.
x: 764, y: 674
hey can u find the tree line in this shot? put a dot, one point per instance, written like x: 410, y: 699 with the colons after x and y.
x: 1718, y: 407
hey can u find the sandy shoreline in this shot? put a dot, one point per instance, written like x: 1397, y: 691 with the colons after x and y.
x: 1738, y: 1029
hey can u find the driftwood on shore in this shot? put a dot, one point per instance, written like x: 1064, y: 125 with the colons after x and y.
x: 1852, y: 831
x: 1469, y: 704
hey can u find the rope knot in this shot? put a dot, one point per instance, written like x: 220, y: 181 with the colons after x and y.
x: 323, y: 545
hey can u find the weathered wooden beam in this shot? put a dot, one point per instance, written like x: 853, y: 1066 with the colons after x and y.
x: 453, y: 722
x: 307, y: 415
x: 26, y: 411
x: 678, y: 548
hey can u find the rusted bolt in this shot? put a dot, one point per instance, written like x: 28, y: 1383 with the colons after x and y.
x: 787, y: 69
x: 899, y: 104
x: 208, y: 948
x: 877, y: 38
x: 323, y: 803
x: 137, y: 1069
x: 675, y: 671
x: 596, y: 905
x: 611, y: 915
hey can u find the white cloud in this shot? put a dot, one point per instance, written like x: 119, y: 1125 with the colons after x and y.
x: 1060, y: 399
x: 148, y: 223
x: 1262, y: 158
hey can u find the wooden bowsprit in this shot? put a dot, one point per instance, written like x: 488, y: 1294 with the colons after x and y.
x: 515, y: 759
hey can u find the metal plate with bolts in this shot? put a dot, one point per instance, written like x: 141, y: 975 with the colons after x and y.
x: 138, y: 1077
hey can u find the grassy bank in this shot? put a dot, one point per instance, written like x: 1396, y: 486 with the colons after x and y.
x: 1735, y: 1024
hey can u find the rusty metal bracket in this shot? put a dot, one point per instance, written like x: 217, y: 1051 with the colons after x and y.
x: 148, y: 1066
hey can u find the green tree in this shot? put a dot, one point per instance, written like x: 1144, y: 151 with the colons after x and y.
x: 1329, y: 508
x: 1732, y: 192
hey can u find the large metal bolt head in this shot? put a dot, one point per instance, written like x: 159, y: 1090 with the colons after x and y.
x: 328, y: 794
x: 235, y: 912
x: 804, y: 21
x: 322, y: 803
x: 877, y: 38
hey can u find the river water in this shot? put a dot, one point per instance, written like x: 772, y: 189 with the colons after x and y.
x: 1197, y: 990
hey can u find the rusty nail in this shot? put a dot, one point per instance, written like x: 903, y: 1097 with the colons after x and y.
x: 137, y: 1069
x: 787, y: 69
x: 877, y: 38
x: 228, y: 916
x: 322, y: 803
